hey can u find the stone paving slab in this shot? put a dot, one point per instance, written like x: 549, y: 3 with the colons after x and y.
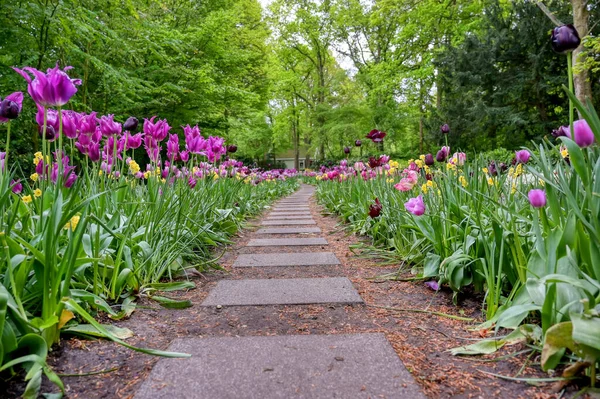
x: 287, y: 259
x: 287, y: 222
x: 288, y: 230
x: 286, y: 242
x: 288, y: 217
x: 278, y: 367
x: 290, y: 208
x: 290, y: 213
x: 293, y: 291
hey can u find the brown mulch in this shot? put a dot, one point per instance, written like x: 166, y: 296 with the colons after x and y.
x: 421, y: 340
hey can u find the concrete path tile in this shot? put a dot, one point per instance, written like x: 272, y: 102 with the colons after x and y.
x: 287, y: 222
x: 286, y: 242
x: 280, y: 367
x: 288, y: 230
x: 287, y: 259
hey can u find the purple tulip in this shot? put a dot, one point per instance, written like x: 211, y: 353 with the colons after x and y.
x: 376, y: 136
x: 134, y: 141
x: 584, y: 137
x: 384, y: 159
x: 109, y: 127
x: 375, y: 209
x: 346, y: 150
x: 131, y: 124
x: 71, y: 179
x: 52, y: 89
x: 11, y: 106
x: 172, y: 146
x: 88, y: 124
x: 158, y: 130
x: 537, y: 198
x: 93, y: 151
x: 441, y: 156
x: 17, y: 187
x: 358, y: 143
x: 429, y: 160
x: 562, y: 131
x: 492, y: 169
x: 565, y: 38
x: 433, y: 285
x: 445, y: 129
x: 416, y: 206
x: 70, y: 124
x: 185, y: 156
x: 522, y: 156
x: 192, y: 182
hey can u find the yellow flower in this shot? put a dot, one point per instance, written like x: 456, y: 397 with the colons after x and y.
x: 100, y: 172
x: 134, y: 167
x: 391, y: 180
x: 431, y: 184
x: 420, y: 163
x: 37, y: 193
x: 215, y: 176
x: 513, y: 189
x: 163, y: 180
x: 490, y: 181
x: 38, y: 154
x: 146, y: 174
x: 424, y: 188
x: 394, y: 164
x: 485, y: 170
x: 422, y: 157
x: 72, y: 224
x: 34, y: 177
x: 564, y: 152
x: 450, y: 166
x: 26, y: 199
x: 463, y: 181
x: 542, y: 183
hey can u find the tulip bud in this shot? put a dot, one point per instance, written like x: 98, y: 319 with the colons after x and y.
x: 429, y: 160
x: 346, y: 150
x: 492, y: 169
x: 565, y: 39
x: 503, y: 167
x: 232, y: 148
x: 50, y: 132
x: 441, y: 156
x: 560, y: 132
x: 537, y: 198
x: 445, y: 128
x: 9, y: 109
x: 131, y: 124
x: 358, y: 143
x: 522, y: 156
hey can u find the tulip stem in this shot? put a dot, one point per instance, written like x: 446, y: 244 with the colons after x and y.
x: 571, y: 107
x: 7, y: 148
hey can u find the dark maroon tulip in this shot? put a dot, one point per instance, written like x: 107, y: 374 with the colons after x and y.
x: 346, y: 150
x: 561, y: 132
x: 429, y: 160
x: 50, y: 132
x: 492, y: 169
x: 374, y: 162
x: 565, y: 39
x: 441, y: 156
x: 376, y: 136
x: 375, y: 209
x: 131, y: 124
x: 9, y: 109
x: 445, y: 128
x: 428, y: 176
x: 513, y: 162
x: 503, y: 167
x: 358, y: 143
x: 232, y: 148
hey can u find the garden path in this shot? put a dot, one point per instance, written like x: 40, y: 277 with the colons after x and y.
x: 360, y: 365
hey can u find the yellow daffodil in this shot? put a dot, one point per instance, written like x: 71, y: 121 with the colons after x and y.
x: 26, y: 199
x: 37, y: 193
x: 463, y: 181
x: 72, y: 224
x: 34, y: 177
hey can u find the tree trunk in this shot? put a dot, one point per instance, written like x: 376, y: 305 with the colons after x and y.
x: 581, y: 77
x: 421, y: 134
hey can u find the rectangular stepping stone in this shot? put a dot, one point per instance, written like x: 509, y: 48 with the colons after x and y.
x: 290, y: 213
x: 288, y: 217
x: 288, y: 230
x: 281, y: 367
x: 287, y: 259
x: 285, y: 242
x: 287, y: 222
x: 291, y: 209
x: 293, y: 291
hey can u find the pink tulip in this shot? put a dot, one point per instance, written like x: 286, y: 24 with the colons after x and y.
x: 416, y: 206
x: 52, y: 89
x: 537, y: 198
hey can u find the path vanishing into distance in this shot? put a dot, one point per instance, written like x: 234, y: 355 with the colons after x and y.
x: 362, y: 365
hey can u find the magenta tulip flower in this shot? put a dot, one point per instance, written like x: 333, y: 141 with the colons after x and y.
x: 537, y: 198
x: 134, y: 141
x: 522, y: 156
x: 17, y: 187
x: 584, y: 137
x: 70, y: 124
x: 158, y: 130
x: 51, y: 89
x: 172, y: 146
x: 109, y: 127
x: 11, y: 106
x: 416, y: 206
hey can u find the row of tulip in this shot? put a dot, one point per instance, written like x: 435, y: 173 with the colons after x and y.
x: 92, y: 236
x: 527, y: 234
